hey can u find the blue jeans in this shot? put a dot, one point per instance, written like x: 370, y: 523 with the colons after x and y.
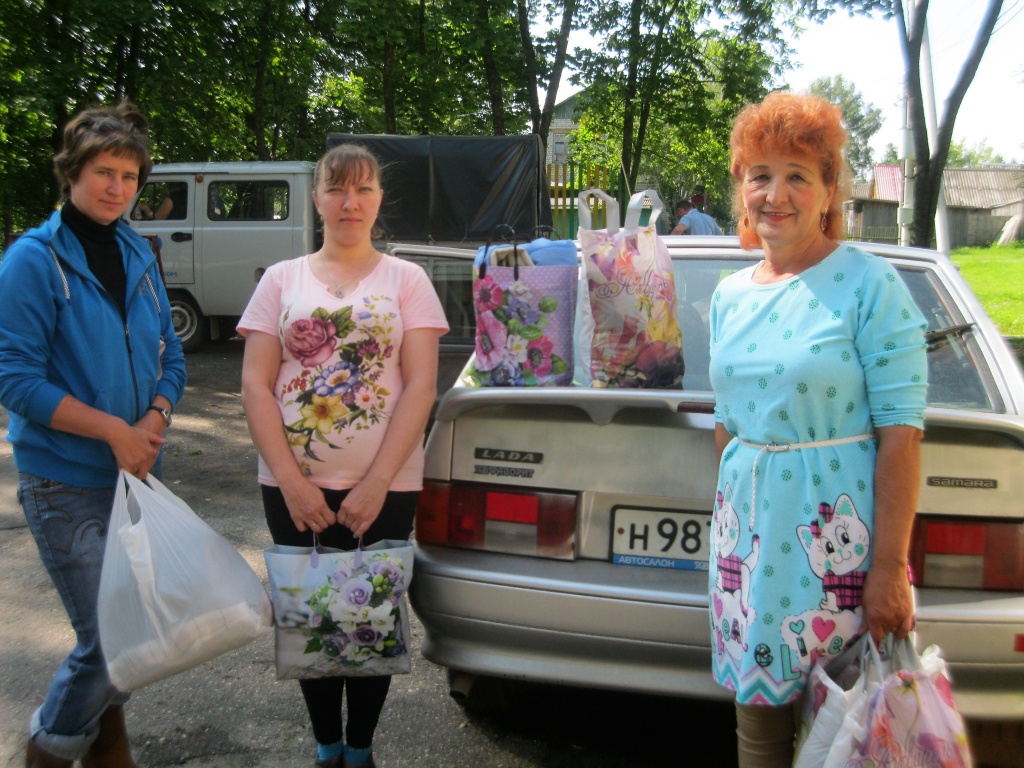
x: 69, y: 525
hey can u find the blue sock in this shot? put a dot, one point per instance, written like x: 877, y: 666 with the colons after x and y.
x: 355, y: 756
x: 330, y: 751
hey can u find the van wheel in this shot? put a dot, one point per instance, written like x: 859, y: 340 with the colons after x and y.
x: 190, y: 325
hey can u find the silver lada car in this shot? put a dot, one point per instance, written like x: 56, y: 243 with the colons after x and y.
x: 522, y: 570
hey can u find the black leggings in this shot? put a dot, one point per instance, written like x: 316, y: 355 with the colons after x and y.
x: 323, y: 695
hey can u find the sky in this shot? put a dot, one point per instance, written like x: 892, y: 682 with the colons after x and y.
x: 866, y: 51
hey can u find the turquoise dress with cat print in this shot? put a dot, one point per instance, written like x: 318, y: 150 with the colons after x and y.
x: 803, y: 371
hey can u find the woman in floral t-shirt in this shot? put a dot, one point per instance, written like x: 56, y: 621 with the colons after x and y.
x: 338, y: 380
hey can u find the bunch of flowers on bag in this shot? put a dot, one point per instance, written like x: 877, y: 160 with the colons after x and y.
x: 355, y: 617
x: 511, y: 346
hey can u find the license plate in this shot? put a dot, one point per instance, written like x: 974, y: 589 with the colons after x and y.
x: 661, y: 538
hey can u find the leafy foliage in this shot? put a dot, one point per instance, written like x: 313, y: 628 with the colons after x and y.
x: 862, y: 120
x: 667, y: 82
x: 268, y: 79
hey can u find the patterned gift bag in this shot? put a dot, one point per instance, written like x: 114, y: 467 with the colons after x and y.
x: 633, y: 331
x: 524, y: 319
x: 911, y: 718
x: 341, y: 614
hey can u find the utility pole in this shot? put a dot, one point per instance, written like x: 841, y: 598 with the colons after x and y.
x: 905, y: 212
x: 932, y: 122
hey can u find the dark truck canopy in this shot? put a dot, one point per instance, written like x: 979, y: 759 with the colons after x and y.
x: 458, y: 189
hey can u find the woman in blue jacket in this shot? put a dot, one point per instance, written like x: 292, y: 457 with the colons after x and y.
x: 90, y: 370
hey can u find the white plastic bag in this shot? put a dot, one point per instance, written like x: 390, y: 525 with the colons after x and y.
x: 835, y: 689
x: 173, y: 592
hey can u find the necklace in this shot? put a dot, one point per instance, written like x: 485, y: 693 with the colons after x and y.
x: 338, y: 289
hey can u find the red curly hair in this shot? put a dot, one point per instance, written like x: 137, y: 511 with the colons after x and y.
x: 791, y: 124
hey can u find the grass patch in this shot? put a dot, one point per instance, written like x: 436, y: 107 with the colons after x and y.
x: 996, y: 275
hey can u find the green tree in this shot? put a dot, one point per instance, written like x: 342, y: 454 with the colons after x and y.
x: 929, y: 162
x: 667, y: 82
x: 862, y: 120
x: 962, y: 156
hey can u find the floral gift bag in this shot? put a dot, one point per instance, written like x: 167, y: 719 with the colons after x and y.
x: 524, y: 314
x: 911, y: 719
x: 634, y: 336
x: 341, y: 613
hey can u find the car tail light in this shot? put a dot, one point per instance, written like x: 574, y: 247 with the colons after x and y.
x: 956, y: 554
x: 497, y: 519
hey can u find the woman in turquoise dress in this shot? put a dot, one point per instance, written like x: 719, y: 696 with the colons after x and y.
x: 819, y: 372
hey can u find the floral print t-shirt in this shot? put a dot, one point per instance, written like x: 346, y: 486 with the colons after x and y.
x: 340, y: 376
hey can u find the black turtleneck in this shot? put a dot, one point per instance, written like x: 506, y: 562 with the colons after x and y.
x: 101, y: 251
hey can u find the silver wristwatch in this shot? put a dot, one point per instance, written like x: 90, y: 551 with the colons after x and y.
x: 163, y: 412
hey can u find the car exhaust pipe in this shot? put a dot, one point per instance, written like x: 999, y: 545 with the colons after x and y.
x: 459, y: 686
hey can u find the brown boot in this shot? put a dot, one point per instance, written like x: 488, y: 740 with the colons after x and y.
x: 111, y: 748
x: 37, y: 757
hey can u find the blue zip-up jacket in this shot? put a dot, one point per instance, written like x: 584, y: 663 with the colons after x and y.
x: 61, y: 334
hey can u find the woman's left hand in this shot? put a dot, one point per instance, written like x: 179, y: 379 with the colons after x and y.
x: 362, y: 505
x: 888, y: 602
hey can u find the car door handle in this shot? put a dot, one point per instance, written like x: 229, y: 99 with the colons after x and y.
x: 181, y: 237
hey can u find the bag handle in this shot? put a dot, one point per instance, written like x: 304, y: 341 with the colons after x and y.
x: 611, y: 209
x: 507, y: 232
x: 905, y: 655
x: 636, y: 207
x: 318, y: 549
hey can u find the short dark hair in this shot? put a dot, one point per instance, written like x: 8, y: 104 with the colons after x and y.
x: 684, y: 203
x: 123, y: 130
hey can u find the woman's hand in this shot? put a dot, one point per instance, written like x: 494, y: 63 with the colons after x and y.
x: 307, y: 506
x: 888, y: 601
x: 888, y: 597
x: 362, y: 505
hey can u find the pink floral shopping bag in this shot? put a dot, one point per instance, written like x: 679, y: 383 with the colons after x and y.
x: 913, y: 720
x: 631, y: 330
x: 524, y: 315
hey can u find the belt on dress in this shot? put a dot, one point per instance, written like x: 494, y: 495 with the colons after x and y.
x: 782, y: 448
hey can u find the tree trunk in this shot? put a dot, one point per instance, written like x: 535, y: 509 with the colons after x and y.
x: 929, y: 165
x: 388, y: 87
x: 491, y: 75
x: 557, y: 67
x: 629, y: 165
x: 530, y: 57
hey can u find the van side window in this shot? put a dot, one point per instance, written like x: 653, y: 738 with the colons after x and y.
x: 162, y: 200
x: 247, y: 201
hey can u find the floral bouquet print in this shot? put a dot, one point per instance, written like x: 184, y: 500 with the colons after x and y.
x: 634, y: 336
x: 343, y: 356
x: 524, y: 323
x: 341, y: 613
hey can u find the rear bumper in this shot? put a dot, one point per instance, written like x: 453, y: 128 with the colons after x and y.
x: 594, y: 624
x: 977, y: 634
x: 565, y: 622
